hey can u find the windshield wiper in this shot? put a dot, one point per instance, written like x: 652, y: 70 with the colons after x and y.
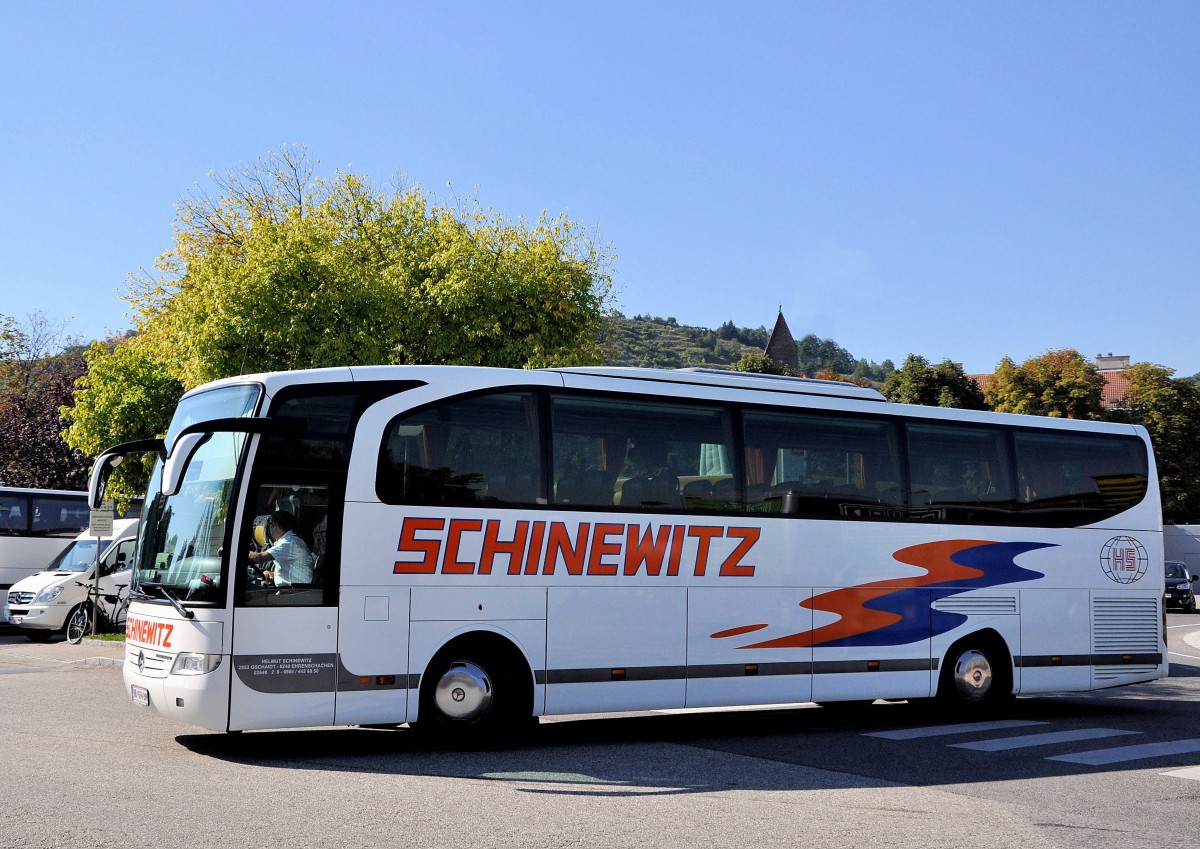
x: 183, y: 611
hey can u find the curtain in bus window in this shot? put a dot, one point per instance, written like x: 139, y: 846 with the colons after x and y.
x: 477, y: 450
x: 960, y: 473
x: 641, y: 455
x: 824, y: 465
x: 1070, y: 479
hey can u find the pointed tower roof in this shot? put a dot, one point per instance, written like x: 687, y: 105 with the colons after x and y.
x: 781, y: 346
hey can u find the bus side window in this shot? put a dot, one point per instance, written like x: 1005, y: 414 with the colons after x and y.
x: 961, y: 473
x: 1070, y: 478
x: 823, y: 465
x: 12, y: 517
x: 480, y: 449
x: 638, y: 454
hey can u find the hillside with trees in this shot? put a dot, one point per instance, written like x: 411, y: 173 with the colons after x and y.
x: 653, y: 342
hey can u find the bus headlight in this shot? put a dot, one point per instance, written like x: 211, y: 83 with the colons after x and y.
x: 48, y: 595
x: 192, y: 663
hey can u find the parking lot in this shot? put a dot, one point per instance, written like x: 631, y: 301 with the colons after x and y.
x: 85, y: 766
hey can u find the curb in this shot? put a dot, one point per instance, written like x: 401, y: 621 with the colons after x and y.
x: 101, y: 661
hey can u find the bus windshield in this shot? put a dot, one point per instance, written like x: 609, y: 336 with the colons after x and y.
x: 179, y: 549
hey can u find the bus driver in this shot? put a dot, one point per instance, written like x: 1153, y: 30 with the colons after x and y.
x: 293, y: 561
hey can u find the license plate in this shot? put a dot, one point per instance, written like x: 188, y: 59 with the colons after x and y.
x: 140, y: 695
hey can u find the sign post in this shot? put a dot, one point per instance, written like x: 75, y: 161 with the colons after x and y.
x: 100, y: 525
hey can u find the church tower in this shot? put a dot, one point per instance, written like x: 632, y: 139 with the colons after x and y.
x: 781, y: 347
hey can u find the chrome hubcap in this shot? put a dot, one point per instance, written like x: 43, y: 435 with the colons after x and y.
x: 464, y: 692
x: 973, y: 675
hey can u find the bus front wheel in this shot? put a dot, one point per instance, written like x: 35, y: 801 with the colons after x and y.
x: 476, y: 694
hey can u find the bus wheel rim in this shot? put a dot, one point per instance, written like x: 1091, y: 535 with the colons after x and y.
x: 973, y: 675
x: 464, y: 692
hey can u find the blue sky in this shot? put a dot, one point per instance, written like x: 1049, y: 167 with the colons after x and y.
x: 963, y: 181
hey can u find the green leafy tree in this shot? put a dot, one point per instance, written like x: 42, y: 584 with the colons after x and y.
x: 816, y: 354
x: 283, y: 271
x: 127, y: 393
x: 943, y: 385
x: 761, y: 364
x: 1059, y: 383
x: 1169, y: 408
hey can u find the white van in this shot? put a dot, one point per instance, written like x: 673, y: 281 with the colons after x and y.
x: 41, y: 604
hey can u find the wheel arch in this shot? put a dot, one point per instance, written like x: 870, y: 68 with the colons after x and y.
x: 993, y: 644
x: 470, y: 642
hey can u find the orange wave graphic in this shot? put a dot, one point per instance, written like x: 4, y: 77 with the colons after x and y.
x: 848, y: 602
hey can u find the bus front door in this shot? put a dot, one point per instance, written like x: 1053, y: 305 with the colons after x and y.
x: 284, y: 664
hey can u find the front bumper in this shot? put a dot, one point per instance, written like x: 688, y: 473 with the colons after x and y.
x: 36, y: 617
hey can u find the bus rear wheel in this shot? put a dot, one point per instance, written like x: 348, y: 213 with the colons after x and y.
x: 475, y: 694
x: 976, y: 676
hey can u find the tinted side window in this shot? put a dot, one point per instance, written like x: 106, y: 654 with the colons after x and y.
x: 1069, y: 479
x: 59, y: 516
x: 642, y: 455
x: 14, y: 515
x: 814, y: 464
x: 471, y: 451
x: 960, y: 473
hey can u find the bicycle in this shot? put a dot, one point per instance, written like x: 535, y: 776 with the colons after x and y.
x: 80, y: 623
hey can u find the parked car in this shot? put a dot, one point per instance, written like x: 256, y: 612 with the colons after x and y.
x: 41, y: 604
x: 1181, y: 587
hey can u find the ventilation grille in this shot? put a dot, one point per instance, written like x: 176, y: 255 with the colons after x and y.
x: 1125, y: 625
x: 977, y: 605
x: 1122, y: 673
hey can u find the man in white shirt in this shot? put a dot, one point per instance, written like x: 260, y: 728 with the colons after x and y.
x: 293, y: 562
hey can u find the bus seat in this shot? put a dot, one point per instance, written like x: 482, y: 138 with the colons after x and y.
x: 697, y: 491
x: 955, y: 496
x: 512, y: 486
x: 725, y: 489
x: 586, y: 486
x: 757, y: 492
x: 659, y: 491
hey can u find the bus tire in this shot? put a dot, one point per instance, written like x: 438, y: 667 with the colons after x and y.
x: 476, y: 692
x: 976, y: 675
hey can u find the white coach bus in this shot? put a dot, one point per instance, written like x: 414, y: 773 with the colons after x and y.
x: 35, y: 526
x: 470, y: 547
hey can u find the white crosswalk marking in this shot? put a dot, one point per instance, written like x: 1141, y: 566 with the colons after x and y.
x: 948, y: 730
x: 1026, y: 741
x: 1103, y: 757
x: 1191, y: 772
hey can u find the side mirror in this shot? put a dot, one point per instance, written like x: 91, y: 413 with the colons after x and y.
x: 102, y: 469
x: 181, y: 455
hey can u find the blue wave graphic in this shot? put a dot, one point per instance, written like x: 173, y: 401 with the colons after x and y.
x: 995, y: 560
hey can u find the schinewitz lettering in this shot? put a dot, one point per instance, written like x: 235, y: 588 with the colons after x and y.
x: 479, y: 547
x: 149, y: 633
